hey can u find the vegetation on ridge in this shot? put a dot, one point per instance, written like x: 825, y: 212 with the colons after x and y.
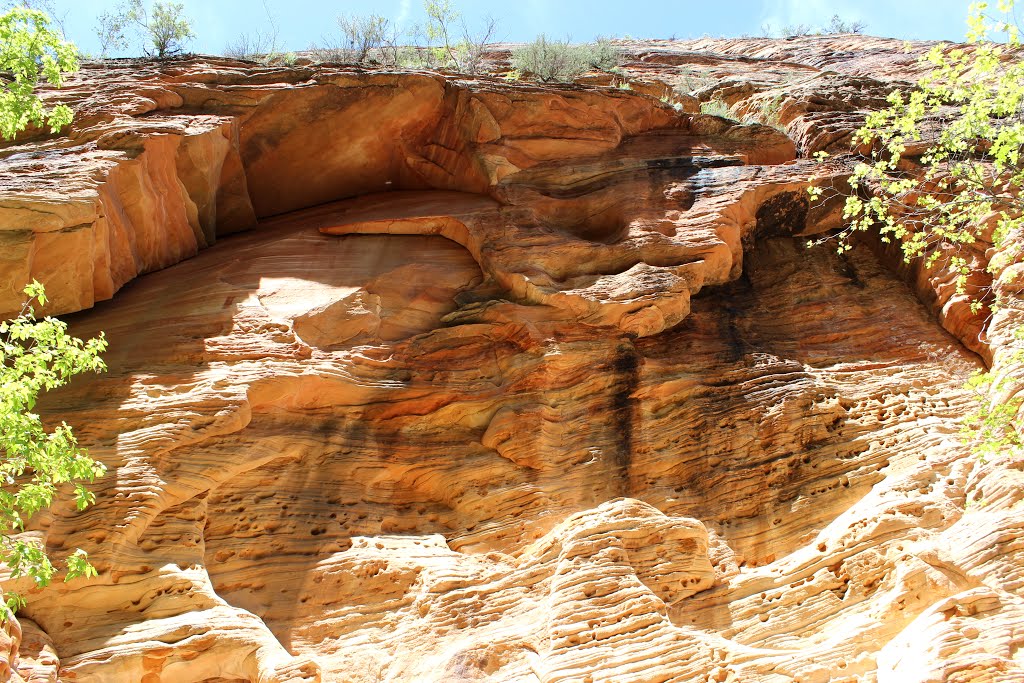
x: 562, y: 61
x: 163, y: 29
x: 835, y: 25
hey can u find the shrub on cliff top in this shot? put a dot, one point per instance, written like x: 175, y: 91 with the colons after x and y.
x: 562, y: 61
x: 163, y: 28
x: 359, y: 39
x: 166, y: 27
x: 452, y: 44
x: 261, y: 46
x: 835, y: 25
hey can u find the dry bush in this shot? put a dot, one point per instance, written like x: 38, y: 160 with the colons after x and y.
x: 562, y: 61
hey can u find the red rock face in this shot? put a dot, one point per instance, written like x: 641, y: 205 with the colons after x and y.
x: 500, y: 382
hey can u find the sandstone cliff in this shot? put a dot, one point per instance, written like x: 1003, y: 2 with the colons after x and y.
x: 415, y: 377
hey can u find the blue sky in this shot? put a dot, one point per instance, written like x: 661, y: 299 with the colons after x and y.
x: 217, y: 22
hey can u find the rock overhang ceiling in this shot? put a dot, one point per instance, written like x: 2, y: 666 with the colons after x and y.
x: 510, y: 383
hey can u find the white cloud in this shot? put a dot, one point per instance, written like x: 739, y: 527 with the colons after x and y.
x: 404, y: 8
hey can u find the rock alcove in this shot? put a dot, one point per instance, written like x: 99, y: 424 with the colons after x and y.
x: 435, y: 379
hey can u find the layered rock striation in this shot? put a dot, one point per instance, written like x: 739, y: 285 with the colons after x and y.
x: 415, y: 377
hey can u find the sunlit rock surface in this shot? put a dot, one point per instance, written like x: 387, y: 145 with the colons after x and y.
x: 440, y: 379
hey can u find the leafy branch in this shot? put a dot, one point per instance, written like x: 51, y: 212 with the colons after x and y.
x: 36, y: 356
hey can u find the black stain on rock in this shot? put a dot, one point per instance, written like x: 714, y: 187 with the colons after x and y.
x: 626, y: 366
